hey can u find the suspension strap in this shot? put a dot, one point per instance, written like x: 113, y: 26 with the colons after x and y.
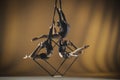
x: 55, y: 7
x: 60, y: 2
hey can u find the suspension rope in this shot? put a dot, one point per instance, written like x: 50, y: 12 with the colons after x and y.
x: 60, y: 3
x: 55, y: 7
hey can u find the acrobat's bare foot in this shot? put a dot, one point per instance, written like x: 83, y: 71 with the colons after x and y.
x: 27, y: 56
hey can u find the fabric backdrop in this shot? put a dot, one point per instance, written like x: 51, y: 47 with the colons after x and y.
x: 93, y: 22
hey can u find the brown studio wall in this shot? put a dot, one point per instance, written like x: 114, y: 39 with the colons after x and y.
x: 93, y: 22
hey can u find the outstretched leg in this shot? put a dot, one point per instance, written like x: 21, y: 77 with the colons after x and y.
x: 46, y: 36
x: 34, y: 53
x: 78, y: 51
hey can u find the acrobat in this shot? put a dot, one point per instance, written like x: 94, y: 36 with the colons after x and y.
x: 47, y: 44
